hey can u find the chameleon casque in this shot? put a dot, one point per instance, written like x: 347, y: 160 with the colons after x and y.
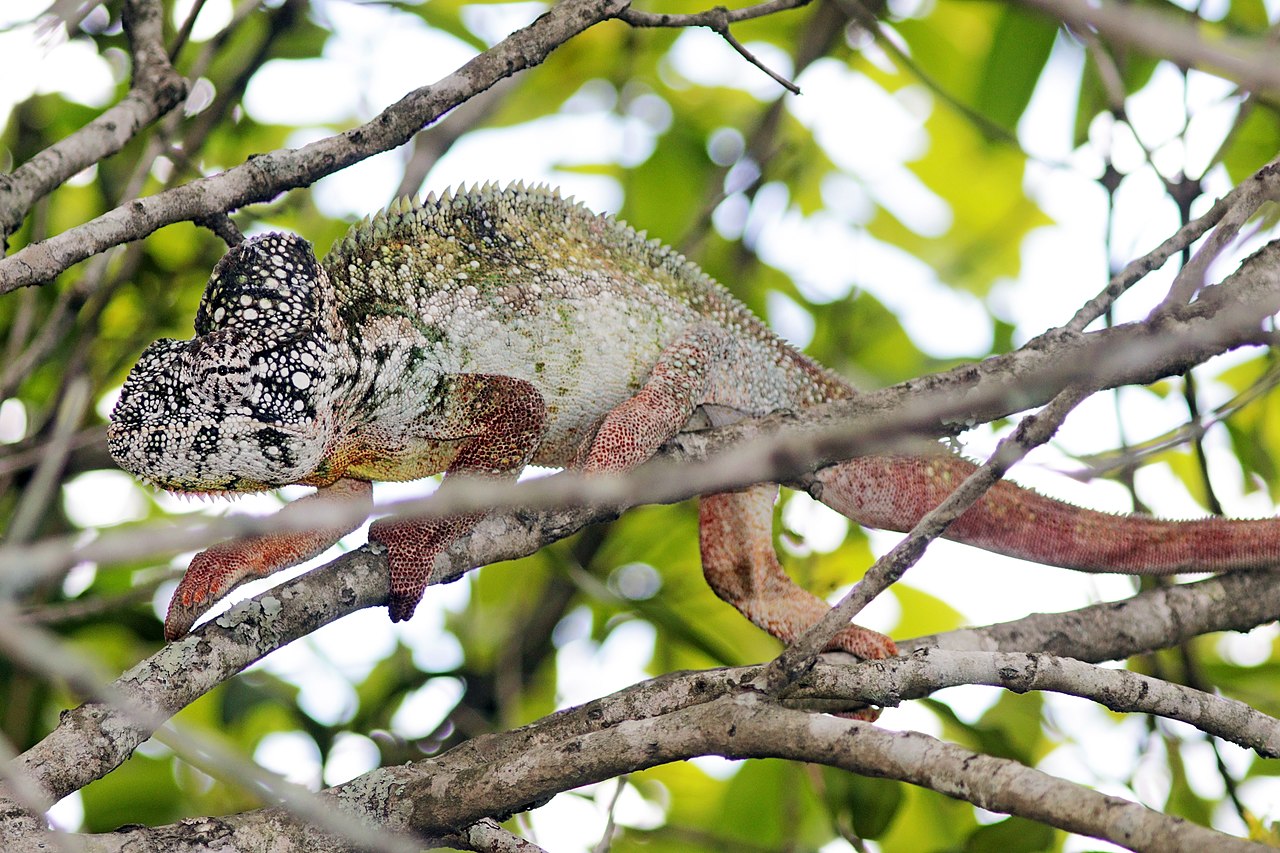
x: 489, y: 329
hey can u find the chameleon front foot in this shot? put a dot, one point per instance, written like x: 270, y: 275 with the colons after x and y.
x: 212, y: 574
x: 412, y: 548
x: 218, y: 570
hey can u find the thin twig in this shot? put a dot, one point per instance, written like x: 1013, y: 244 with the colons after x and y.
x: 1249, y: 194
x: 1249, y: 62
x: 224, y: 227
x: 31, y: 509
x: 156, y: 89
x: 866, y: 19
x: 267, y: 175
x: 709, y: 18
x: 722, y: 27
x: 606, y: 837
x: 1193, y: 275
x: 184, y: 31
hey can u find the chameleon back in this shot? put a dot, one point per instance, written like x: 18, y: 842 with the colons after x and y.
x: 523, y: 283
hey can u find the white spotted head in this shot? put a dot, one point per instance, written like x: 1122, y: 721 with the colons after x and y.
x: 246, y: 404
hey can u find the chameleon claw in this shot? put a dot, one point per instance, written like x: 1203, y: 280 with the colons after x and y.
x: 193, y: 597
x: 863, y: 643
x: 212, y: 574
x: 868, y: 714
x: 181, y: 616
x: 401, y: 605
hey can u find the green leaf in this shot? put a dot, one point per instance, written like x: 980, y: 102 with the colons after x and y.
x: 1135, y: 72
x: 668, y: 208
x: 927, y: 820
x: 446, y: 16
x: 1012, y: 835
x: 982, y: 185
x: 1252, y: 142
x: 861, y: 339
x: 1019, y: 50
x: 867, y: 805
x: 1249, y: 16
x: 1255, y: 438
x: 1011, y: 728
x: 695, y: 629
x: 140, y: 791
x: 1182, y: 800
x: 923, y: 613
x: 771, y: 803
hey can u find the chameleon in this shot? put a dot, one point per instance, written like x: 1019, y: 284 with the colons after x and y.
x: 484, y: 330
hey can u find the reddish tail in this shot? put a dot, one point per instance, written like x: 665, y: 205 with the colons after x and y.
x: 894, y: 492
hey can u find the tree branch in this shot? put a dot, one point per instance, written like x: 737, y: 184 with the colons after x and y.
x: 93, y: 739
x: 157, y: 88
x: 266, y: 176
x: 434, y: 795
x: 928, y: 670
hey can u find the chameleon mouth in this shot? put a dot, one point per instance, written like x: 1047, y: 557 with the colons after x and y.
x: 205, y: 496
x: 187, y: 491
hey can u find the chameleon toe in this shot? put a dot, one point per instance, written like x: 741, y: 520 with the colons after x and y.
x: 401, y: 607
x: 180, y: 618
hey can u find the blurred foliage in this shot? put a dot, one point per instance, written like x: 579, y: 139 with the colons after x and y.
x: 972, y: 71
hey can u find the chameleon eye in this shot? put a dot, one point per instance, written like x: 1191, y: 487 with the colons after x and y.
x: 218, y: 373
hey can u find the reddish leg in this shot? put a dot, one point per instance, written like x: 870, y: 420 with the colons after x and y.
x: 736, y: 529
x: 498, y: 421
x: 216, y: 571
x: 740, y: 564
x: 637, y: 427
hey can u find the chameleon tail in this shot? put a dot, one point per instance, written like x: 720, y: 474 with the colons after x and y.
x: 893, y: 493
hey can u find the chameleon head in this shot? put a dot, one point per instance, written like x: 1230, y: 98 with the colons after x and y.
x: 242, y: 406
